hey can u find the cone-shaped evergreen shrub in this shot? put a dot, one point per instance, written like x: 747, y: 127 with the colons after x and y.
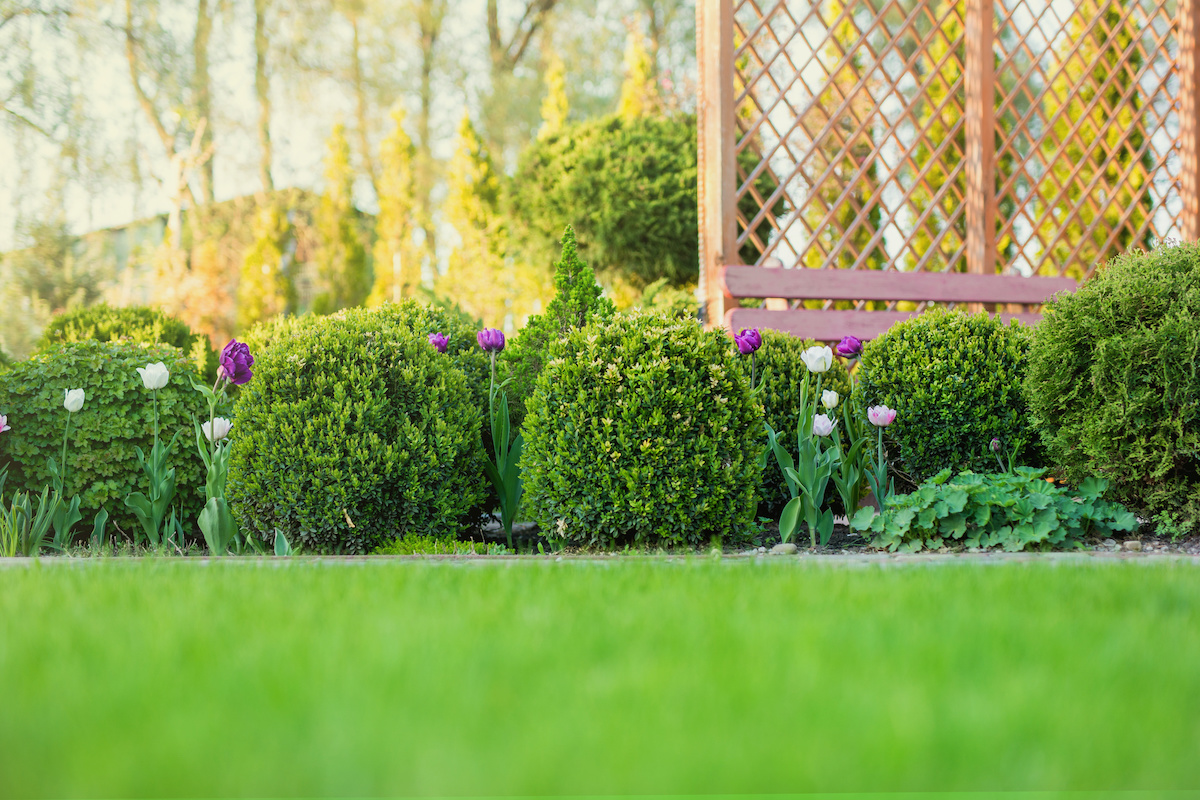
x: 355, y: 430
x: 955, y: 381
x: 1114, y: 382
x: 576, y: 302
x: 642, y: 430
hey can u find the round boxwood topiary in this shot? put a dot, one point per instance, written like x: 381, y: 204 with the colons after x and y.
x: 1113, y: 383
x: 117, y: 415
x: 355, y: 430
x: 955, y: 381
x: 105, y: 323
x: 641, y: 430
x: 781, y: 372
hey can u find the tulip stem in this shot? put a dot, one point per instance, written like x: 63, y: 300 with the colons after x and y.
x: 63, y: 474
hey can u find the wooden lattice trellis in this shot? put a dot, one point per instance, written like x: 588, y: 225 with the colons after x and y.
x: 1029, y: 136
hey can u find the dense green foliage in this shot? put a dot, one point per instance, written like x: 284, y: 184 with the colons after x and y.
x: 353, y: 431
x: 781, y: 372
x: 955, y: 380
x: 576, y: 302
x: 1016, y: 510
x: 908, y: 678
x: 642, y: 430
x: 1113, y: 382
x: 629, y: 188
x: 143, y: 324
x: 117, y: 415
x: 5, y: 360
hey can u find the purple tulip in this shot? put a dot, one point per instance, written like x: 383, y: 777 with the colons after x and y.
x: 235, y: 363
x: 439, y: 341
x: 849, y: 347
x: 748, y: 341
x: 491, y: 340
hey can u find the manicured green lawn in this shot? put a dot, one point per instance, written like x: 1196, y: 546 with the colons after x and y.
x: 168, y: 678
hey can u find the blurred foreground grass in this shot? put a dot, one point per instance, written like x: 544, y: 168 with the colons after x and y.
x: 300, y: 679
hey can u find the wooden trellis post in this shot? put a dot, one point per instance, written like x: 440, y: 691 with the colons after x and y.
x: 717, y: 169
x: 1189, y: 111
x: 980, y: 132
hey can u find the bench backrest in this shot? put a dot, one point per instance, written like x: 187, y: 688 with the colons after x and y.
x: 837, y: 284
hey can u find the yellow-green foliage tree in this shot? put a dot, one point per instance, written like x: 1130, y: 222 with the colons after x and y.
x: 639, y: 92
x: 397, y: 260
x: 341, y: 258
x: 1103, y: 166
x: 480, y: 279
x: 266, y: 288
x: 555, y: 106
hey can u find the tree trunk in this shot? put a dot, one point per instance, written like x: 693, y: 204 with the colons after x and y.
x: 429, y: 21
x: 203, y: 89
x: 262, y: 88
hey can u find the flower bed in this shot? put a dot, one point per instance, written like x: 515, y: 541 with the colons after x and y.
x: 391, y: 429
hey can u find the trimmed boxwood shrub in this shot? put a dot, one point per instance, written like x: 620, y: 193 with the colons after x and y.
x: 781, y: 372
x: 117, y: 415
x: 355, y: 430
x: 105, y: 323
x: 642, y: 430
x: 1114, y: 386
x: 955, y: 381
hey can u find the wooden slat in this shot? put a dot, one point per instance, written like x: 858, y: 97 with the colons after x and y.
x: 717, y: 167
x: 980, y: 132
x: 844, y: 284
x: 831, y: 326
x: 1189, y: 116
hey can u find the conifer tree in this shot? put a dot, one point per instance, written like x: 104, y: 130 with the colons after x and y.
x: 266, y: 288
x: 341, y: 258
x: 397, y: 262
x: 555, y: 106
x: 577, y: 301
x: 639, y: 92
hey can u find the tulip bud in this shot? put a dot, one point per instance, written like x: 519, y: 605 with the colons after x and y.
x: 217, y: 429
x: 822, y: 425
x: 881, y: 416
x: 748, y: 341
x: 817, y: 359
x: 236, y: 362
x: 850, y: 347
x: 154, y: 376
x: 996, y: 445
x: 491, y: 340
x: 829, y: 399
x: 73, y: 399
x: 439, y: 341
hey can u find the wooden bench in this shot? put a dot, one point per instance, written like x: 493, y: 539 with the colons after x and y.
x: 843, y: 284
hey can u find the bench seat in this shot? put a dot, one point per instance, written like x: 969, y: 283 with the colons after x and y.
x: 836, y: 284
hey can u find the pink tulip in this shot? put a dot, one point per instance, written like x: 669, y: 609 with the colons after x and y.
x: 881, y: 416
x: 4, y: 426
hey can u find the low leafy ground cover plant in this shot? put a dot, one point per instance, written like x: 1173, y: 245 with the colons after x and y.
x: 1113, y: 382
x: 957, y: 378
x: 1016, y: 510
x: 642, y: 430
x: 614, y: 678
x: 417, y: 545
x: 354, y: 429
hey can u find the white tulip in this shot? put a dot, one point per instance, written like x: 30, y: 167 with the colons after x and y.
x: 73, y: 399
x: 822, y: 425
x: 154, y: 376
x: 829, y: 399
x: 818, y: 359
x: 217, y: 429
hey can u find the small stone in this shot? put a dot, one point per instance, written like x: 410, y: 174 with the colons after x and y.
x: 1110, y: 542
x: 762, y: 549
x: 785, y: 549
x: 1132, y: 545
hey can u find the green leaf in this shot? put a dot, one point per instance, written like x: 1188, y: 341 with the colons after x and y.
x: 789, y: 520
x: 862, y: 518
